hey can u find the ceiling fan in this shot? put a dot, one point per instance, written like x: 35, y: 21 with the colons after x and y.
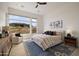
x: 40, y: 3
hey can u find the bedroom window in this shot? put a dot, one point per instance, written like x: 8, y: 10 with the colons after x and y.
x: 22, y: 24
x: 34, y: 25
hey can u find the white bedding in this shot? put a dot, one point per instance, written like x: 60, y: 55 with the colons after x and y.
x: 46, y: 41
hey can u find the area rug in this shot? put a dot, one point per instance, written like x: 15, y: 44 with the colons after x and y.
x: 58, y: 50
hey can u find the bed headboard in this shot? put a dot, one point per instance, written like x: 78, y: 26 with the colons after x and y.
x: 60, y: 33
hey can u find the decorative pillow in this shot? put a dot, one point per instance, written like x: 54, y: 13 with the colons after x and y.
x: 18, y: 34
x: 46, y: 32
x: 54, y: 32
x: 50, y: 33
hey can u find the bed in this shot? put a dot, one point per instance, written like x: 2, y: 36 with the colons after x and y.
x: 46, y: 41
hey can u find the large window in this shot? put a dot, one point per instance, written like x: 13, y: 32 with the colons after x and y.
x: 34, y: 25
x: 22, y: 24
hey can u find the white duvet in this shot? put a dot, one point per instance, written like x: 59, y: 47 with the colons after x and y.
x: 46, y: 41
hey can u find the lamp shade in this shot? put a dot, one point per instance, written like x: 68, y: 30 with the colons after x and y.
x: 69, y: 31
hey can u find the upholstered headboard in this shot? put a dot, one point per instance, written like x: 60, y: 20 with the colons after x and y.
x: 61, y: 33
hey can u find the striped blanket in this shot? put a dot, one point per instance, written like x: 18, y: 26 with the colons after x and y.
x: 46, y: 41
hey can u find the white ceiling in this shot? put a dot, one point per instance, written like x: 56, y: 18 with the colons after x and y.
x: 42, y: 9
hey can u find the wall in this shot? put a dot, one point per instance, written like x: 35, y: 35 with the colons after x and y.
x: 70, y: 16
x: 3, y: 12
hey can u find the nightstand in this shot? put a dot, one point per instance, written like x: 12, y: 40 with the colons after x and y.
x: 71, y: 41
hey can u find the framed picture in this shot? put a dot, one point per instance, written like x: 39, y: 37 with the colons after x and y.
x: 57, y: 24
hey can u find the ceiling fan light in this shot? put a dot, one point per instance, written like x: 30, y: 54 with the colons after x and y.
x: 36, y: 6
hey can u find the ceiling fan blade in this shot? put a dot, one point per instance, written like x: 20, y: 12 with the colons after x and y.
x: 42, y: 3
x: 36, y: 6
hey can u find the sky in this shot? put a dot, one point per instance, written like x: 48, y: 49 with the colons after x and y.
x: 20, y: 19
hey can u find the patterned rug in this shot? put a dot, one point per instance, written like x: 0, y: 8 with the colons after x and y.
x: 58, y: 50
